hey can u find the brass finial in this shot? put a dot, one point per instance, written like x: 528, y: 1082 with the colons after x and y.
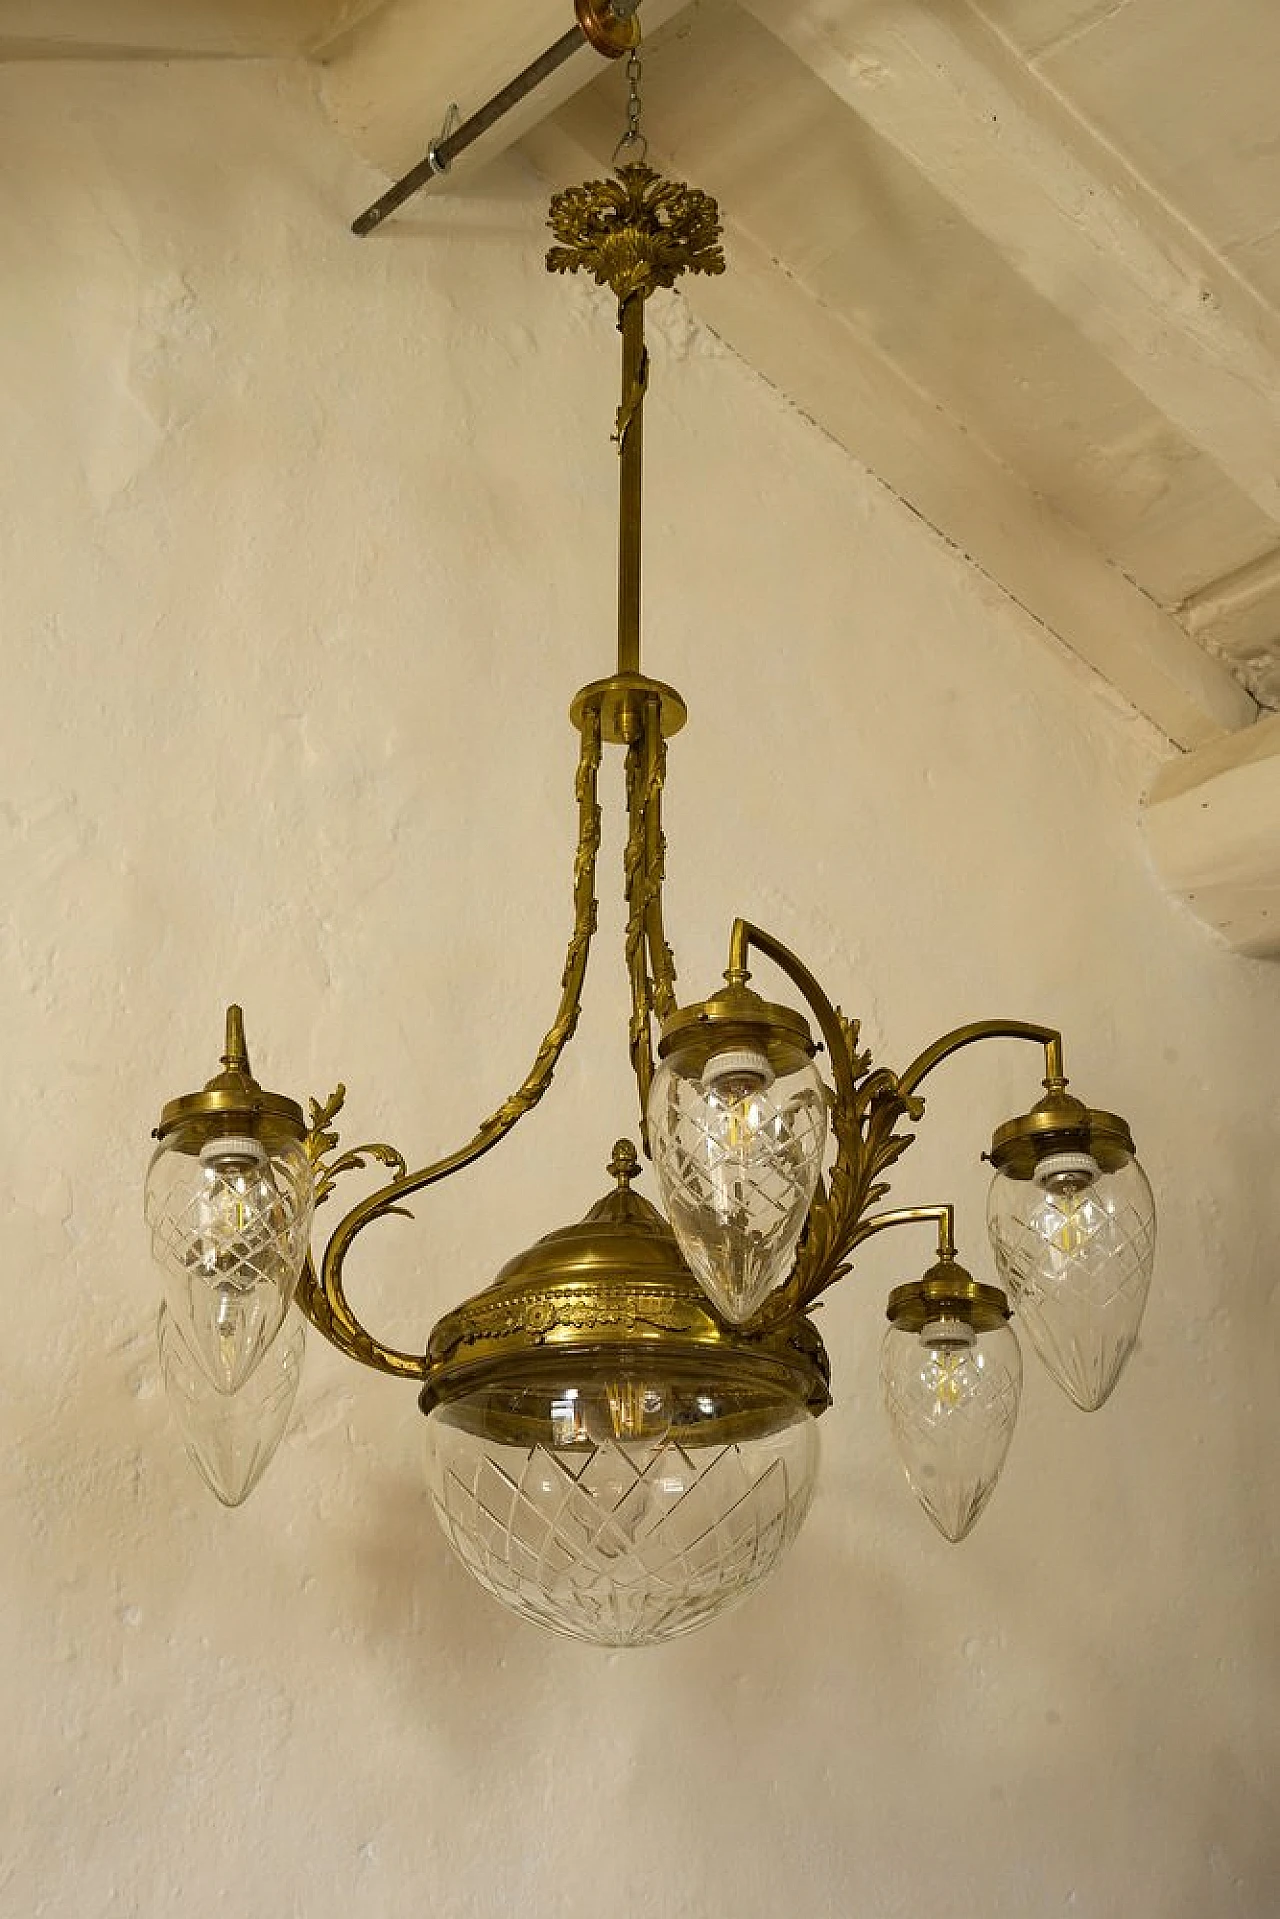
x: 625, y: 1164
x: 234, y: 1096
x: 236, y: 1057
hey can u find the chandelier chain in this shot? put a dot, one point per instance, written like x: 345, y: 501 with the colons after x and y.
x: 632, y: 149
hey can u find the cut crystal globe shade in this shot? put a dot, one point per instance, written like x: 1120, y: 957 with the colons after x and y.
x: 231, y: 1438
x: 737, y: 1153
x: 951, y: 1394
x: 617, y: 1507
x: 1075, y: 1247
x: 229, y: 1219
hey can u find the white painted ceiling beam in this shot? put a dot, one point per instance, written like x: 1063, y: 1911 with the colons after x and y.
x: 390, y: 80
x: 839, y: 375
x: 1213, y: 830
x: 1239, y: 619
x: 43, y: 29
x: 942, y: 87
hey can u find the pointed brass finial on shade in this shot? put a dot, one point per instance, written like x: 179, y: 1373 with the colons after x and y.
x: 236, y: 1057
x: 233, y: 1095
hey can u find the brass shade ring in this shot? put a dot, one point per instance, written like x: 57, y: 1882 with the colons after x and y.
x: 732, y: 1018
x: 210, y: 1114
x: 1020, y: 1144
x: 947, y: 1291
x: 620, y: 703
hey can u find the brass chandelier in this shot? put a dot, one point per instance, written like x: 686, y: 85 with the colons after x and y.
x: 621, y: 1428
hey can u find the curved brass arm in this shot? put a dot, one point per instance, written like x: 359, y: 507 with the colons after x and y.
x: 865, y: 1114
x: 831, y: 1023
x: 866, y: 1111
x: 945, y: 1217
x: 327, y: 1303
x: 1046, y: 1036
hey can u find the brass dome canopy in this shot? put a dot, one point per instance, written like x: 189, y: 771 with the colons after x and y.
x: 612, y: 1292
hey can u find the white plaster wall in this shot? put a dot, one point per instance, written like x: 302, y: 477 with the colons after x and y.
x: 305, y: 546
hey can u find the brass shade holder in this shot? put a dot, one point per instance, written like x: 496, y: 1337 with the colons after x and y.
x: 231, y: 1097
x: 1060, y: 1124
x: 613, y: 1291
x: 947, y: 1291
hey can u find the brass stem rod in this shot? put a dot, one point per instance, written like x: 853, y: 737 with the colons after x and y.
x: 944, y: 1216
x: 961, y: 1036
x: 635, y: 362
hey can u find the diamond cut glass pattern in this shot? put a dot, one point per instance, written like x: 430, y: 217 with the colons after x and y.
x: 229, y: 1231
x: 231, y: 1438
x: 737, y: 1175
x: 620, y: 1542
x: 952, y: 1406
x: 1077, y: 1263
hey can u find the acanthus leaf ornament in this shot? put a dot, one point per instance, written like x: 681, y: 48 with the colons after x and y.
x: 635, y: 232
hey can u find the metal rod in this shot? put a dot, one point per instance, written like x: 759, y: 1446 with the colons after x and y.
x: 635, y: 374
x: 943, y: 1216
x: 1046, y: 1036
x: 442, y: 154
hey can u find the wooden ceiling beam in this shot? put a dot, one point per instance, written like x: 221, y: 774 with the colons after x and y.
x: 941, y: 86
x: 1238, y: 618
x: 157, y: 29
x: 1212, y: 825
x: 846, y: 382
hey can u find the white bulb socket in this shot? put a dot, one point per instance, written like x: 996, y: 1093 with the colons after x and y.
x: 1080, y: 1168
x: 742, y: 1063
x: 233, y: 1146
x: 948, y: 1332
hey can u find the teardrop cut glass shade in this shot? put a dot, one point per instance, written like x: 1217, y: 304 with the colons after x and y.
x: 232, y: 1437
x: 737, y: 1153
x: 1075, y: 1247
x: 952, y: 1396
x: 229, y: 1223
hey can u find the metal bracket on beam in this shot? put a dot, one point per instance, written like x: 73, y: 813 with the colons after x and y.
x: 610, y: 26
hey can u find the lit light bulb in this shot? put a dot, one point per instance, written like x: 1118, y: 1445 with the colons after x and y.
x: 1066, y: 1218
x: 951, y: 1394
x: 737, y: 1149
x: 238, y: 1256
x: 1075, y: 1246
x: 949, y: 1344
x: 229, y: 1222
